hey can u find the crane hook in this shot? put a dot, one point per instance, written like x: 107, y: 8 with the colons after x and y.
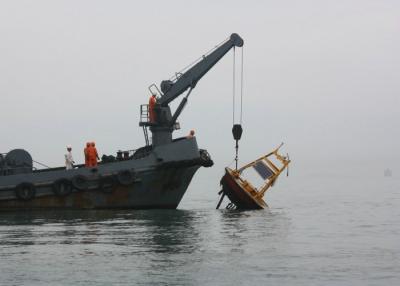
x: 237, y: 131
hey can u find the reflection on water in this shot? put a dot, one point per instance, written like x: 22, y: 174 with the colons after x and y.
x: 155, y: 242
x: 308, y: 238
x: 155, y: 230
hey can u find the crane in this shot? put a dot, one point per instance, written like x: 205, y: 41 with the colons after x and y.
x: 165, y: 122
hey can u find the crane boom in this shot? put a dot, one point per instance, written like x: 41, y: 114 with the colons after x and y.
x: 190, y: 78
x: 165, y: 121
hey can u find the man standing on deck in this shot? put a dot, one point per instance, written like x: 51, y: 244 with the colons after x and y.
x: 93, y: 156
x: 152, y: 103
x: 69, y: 160
x: 86, y: 153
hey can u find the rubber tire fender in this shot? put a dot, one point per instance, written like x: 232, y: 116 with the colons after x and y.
x: 126, y: 177
x: 204, y: 156
x: 80, y: 182
x: 107, y: 183
x: 25, y: 191
x: 205, y: 159
x: 62, y: 187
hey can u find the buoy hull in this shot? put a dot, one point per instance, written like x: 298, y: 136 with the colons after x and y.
x: 233, y: 186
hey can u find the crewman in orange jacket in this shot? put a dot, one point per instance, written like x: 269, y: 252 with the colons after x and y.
x: 86, y: 153
x: 93, y: 156
x: 152, y: 103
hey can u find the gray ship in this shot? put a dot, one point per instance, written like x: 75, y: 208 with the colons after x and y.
x: 154, y: 176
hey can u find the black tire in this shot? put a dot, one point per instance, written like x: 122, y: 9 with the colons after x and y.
x: 205, y: 159
x: 107, y: 184
x: 25, y: 191
x: 62, y: 187
x: 80, y: 183
x: 126, y: 177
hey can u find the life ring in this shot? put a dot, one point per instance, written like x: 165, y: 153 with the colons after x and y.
x: 25, y: 191
x: 107, y: 183
x: 126, y: 177
x: 62, y: 187
x: 80, y: 182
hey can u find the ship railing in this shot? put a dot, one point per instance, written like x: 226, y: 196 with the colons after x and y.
x: 144, y: 113
x: 145, y: 122
x: 153, y: 88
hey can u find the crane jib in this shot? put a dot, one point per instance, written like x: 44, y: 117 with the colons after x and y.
x: 184, y: 81
x: 190, y: 78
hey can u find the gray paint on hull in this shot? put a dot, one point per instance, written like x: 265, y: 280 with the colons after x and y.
x: 155, y: 186
x: 156, y: 189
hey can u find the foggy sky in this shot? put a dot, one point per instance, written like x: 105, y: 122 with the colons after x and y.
x: 322, y: 76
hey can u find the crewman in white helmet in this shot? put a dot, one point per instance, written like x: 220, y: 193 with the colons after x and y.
x: 69, y: 160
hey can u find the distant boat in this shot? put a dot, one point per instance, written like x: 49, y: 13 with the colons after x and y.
x: 387, y: 173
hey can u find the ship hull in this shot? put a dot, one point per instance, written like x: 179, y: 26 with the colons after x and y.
x: 157, y: 180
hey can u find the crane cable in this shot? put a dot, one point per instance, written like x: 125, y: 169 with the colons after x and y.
x: 237, y: 128
x: 241, y: 89
x: 234, y: 86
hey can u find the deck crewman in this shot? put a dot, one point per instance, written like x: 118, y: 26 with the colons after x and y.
x: 152, y: 103
x: 69, y: 160
x: 86, y: 153
x: 93, y: 156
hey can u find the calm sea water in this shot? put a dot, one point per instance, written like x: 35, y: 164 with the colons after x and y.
x: 330, y: 231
